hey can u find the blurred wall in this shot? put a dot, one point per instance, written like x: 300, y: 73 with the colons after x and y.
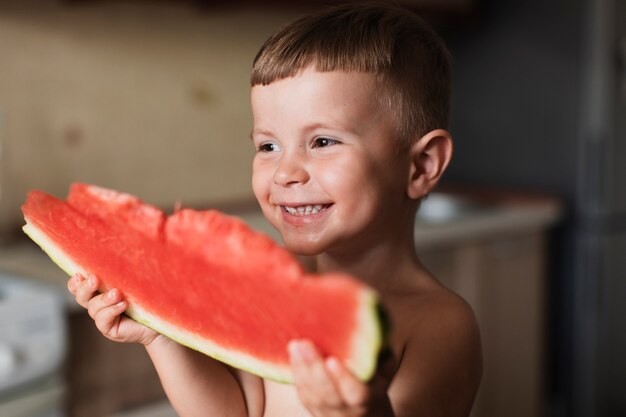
x: 149, y: 99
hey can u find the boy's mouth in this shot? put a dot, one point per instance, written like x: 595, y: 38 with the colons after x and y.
x: 305, y: 210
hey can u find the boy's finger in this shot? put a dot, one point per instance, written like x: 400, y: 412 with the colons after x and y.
x: 107, y: 319
x: 352, y: 390
x: 72, y: 283
x: 315, y: 388
x: 102, y: 301
x: 85, y: 290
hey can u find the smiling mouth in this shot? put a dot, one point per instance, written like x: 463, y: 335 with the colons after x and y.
x: 306, y: 210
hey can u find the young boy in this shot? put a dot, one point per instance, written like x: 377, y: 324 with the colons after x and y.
x: 350, y: 107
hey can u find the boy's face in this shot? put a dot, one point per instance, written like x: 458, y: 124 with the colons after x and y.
x: 327, y: 171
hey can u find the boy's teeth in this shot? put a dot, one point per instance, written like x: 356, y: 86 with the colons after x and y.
x: 305, y: 210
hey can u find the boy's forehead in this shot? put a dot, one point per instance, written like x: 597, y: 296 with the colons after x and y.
x: 313, y: 99
x: 342, y: 87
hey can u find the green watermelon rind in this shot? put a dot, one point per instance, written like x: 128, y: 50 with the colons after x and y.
x: 366, y: 344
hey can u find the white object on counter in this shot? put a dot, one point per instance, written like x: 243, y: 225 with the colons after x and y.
x: 33, y: 338
x: 32, y: 331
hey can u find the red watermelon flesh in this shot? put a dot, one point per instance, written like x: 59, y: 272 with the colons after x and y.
x: 207, y: 280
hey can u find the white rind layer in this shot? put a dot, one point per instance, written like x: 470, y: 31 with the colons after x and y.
x: 369, y: 321
x: 367, y: 343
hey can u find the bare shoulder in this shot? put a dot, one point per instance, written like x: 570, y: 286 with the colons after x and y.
x: 437, y: 343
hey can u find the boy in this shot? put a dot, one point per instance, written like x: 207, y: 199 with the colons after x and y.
x: 350, y: 107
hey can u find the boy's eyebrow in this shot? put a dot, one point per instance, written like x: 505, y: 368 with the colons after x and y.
x: 307, y: 128
x: 261, y: 132
x: 332, y: 126
x: 320, y: 125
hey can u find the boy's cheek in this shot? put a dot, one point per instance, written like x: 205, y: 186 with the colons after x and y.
x: 259, y: 183
x: 262, y: 168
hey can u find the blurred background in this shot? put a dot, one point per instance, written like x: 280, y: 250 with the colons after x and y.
x: 151, y: 98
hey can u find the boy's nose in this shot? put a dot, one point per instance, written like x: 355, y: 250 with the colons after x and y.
x: 290, y: 171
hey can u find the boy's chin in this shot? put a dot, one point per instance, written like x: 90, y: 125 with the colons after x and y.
x: 298, y: 251
x: 303, y: 248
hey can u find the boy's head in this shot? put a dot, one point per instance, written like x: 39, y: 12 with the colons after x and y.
x: 408, y: 60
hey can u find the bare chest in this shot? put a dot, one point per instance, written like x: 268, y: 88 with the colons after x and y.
x: 281, y: 400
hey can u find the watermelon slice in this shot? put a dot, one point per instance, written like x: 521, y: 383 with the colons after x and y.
x: 208, y: 281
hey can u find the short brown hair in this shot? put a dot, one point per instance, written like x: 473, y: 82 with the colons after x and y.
x: 398, y: 47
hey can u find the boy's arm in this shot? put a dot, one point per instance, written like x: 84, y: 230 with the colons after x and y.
x: 198, y: 385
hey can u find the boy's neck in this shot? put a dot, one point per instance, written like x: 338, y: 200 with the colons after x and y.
x: 385, y: 267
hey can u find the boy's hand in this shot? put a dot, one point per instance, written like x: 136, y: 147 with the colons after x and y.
x: 106, y: 310
x: 327, y: 389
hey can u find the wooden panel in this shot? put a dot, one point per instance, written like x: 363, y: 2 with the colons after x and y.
x: 105, y: 377
x: 503, y: 279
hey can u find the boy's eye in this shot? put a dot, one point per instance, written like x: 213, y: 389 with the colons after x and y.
x: 323, y: 142
x: 268, y: 147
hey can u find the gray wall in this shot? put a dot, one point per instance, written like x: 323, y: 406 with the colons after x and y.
x: 516, y: 95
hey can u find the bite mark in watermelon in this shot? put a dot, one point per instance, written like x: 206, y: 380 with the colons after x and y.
x: 208, y: 281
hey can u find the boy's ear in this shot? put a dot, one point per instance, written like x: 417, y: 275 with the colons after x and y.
x: 430, y: 156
